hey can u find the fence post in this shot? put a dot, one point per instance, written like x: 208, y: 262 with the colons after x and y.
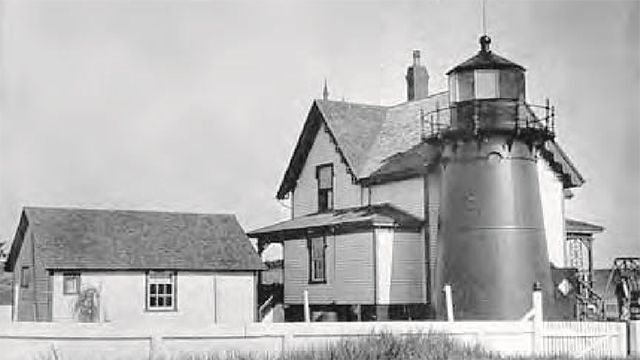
x: 307, y: 315
x: 449, y: 302
x: 538, y: 327
x: 634, y: 337
x: 156, y: 348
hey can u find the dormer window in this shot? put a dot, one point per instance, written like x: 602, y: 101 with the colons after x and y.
x: 324, y: 176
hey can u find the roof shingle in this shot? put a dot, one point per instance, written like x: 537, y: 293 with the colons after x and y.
x: 125, y: 240
x: 384, y: 214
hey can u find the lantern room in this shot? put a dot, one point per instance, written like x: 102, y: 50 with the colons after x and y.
x: 486, y: 76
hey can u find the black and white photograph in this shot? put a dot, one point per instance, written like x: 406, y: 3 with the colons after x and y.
x: 319, y: 179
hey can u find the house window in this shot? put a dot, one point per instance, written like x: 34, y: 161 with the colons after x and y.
x: 317, y: 260
x: 324, y: 175
x: 70, y: 283
x: 24, y: 277
x: 161, y: 291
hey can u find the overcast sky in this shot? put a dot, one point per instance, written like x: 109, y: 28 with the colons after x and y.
x: 197, y: 105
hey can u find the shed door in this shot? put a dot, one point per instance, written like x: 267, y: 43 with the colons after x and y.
x: 235, y: 299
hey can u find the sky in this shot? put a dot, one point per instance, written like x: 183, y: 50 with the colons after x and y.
x: 196, y: 105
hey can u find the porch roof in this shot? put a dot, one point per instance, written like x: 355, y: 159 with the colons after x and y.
x: 358, y: 217
x: 582, y: 227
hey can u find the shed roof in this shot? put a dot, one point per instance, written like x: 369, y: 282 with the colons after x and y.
x: 125, y: 240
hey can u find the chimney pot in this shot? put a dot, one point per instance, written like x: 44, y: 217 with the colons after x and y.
x: 416, y: 57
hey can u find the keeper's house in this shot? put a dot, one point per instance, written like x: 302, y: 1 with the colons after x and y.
x: 132, y: 266
x: 365, y: 193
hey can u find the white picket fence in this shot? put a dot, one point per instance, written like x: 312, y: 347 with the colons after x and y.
x: 70, y: 341
x: 585, y: 339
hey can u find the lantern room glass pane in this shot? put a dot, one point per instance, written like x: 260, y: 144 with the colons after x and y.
x: 453, y: 91
x: 465, y: 86
x: 486, y: 84
x: 511, y: 84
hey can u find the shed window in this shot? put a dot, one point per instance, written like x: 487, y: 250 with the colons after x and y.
x: 25, y: 276
x: 161, y: 291
x: 317, y: 260
x: 324, y: 176
x: 70, y: 283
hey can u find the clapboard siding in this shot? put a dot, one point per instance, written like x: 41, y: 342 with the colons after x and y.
x: 407, y: 195
x: 433, y: 186
x: 407, y: 269
x: 349, y: 266
x: 552, y: 199
x: 345, y: 192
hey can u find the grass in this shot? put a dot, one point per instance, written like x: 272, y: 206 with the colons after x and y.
x: 427, y: 346
x: 383, y: 346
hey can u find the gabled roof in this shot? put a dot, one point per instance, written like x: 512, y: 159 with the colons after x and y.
x: 575, y: 226
x: 371, y: 138
x: 352, y: 127
x: 380, y: 214
x: 128, y: 240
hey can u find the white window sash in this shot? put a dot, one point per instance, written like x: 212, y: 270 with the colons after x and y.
x: 164, y: 279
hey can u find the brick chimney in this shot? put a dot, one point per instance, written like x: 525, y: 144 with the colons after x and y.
x: 417, y: 79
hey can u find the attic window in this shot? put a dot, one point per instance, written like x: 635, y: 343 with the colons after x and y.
x: 161, y: 291
x: 324, y: 176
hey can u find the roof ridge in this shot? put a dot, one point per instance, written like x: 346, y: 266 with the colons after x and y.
x: 442, y: 92
x: 353, y: 103
x: 141, y: 211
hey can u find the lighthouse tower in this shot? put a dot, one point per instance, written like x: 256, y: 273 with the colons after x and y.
x: 491, y: 245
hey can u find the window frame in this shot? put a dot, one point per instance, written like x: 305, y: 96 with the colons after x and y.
x: 71, y: 276
x: 150, y: 280
x: 25, y: 271
x: 327, y: 193
x: 310, y: 246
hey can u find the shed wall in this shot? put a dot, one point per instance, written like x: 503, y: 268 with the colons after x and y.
x: 203, y: 298
x: 33, y: 301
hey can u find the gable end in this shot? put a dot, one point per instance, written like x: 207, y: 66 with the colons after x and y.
x: 314, y: 122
